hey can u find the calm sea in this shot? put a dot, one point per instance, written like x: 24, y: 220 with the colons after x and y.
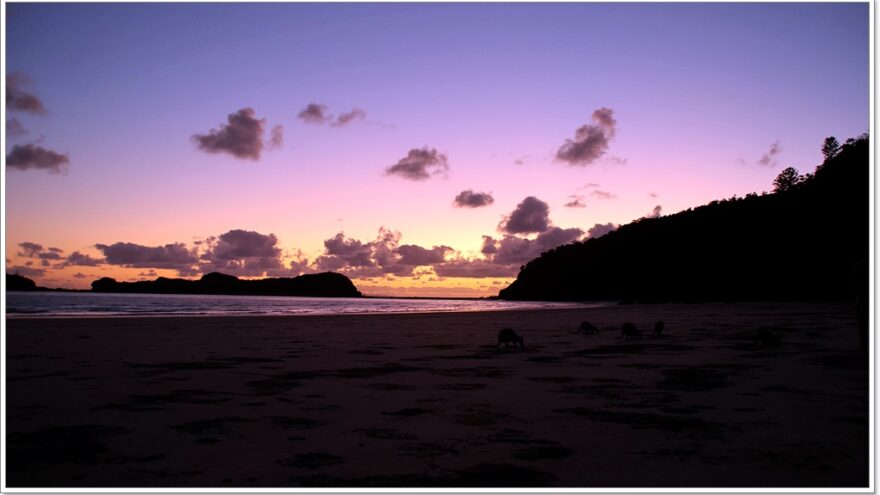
x: 78, y: 304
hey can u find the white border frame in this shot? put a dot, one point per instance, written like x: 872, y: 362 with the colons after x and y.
x: 871, y: 340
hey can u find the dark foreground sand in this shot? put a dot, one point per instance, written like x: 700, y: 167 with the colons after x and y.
x: 427, y: 400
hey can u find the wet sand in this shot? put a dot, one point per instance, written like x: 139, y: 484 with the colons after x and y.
x: 428, y: 400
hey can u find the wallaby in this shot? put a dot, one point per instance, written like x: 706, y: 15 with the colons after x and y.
x: 507, y: 336
x: 629, y: 331
x: 587, y: 327
x: 766, y: 338
x: 658, y: 328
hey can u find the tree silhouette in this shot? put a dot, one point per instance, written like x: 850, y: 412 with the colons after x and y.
x: 787, y: 180
x: 830, y: 147
x: 699, y: 255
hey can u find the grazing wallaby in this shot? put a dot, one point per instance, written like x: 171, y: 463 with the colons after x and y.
x: 766, y: 338
x: 629, y: 331
x: 587, y: 327
x: 658, y: 328
x: 507, y: 336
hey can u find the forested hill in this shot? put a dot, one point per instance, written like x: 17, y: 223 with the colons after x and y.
x: 327, y: 284
x: 806, y: 241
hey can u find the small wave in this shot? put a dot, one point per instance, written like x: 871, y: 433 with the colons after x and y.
x: 74, y: 305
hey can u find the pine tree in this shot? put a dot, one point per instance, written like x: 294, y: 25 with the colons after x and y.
x: 787, y: 180
x: 830, y: 148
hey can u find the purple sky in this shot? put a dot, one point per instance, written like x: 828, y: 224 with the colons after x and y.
x: 155, y: 125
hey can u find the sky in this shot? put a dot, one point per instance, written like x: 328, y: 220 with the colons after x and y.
x: 421, y: 149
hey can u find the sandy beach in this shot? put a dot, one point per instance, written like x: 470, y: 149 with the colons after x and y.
x: 424, y: 400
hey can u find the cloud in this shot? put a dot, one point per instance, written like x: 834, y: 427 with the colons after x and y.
x: 470, y: 199
x: 521, y: 160
x: 14, y: 128
x: 346, y: 118
x: 330, y: 263
x: 512, y: 250
x: 490, y: 246
x: 78, y: 259
x: 314, y: 113
x: 417, y: 163
x: 252, y: 254
x: 46, y: 256
x: 602, y: 194
x: 604, y: 118
x: 504, y: 256
x: 299, y: 264
x: 237, y: 244
x: 380, y: 257
x: 29, y: 157
x: 384, y: 247
x: 412, y: 255
x: 590, y: 141
x: 575, y: 201
x: 241, y: 136
x: 339, y: 245
x: 26, y: 271
x: 589, y: 185
x: 600, y: 229
x: 17, y: 99
x: 349, y: 252
x: 174, y: 256
x: 555, y: 237
x: 34, y: 250
x: 243, y: 253
x: 768, y: 159
x: 238, y: 252
x: 475, y: 269
x: 530, y: 216
x: 276, y: 136
x: 653, y: 195
x: 30, y: 249
x: 656, y: 213
x: 79, y: 275
x: 426, y: 271
x: 363, y: 259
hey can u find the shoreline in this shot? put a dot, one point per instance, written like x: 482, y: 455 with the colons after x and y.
x: 547, y: 306
x: 559, y: 306
x: 86, y: 318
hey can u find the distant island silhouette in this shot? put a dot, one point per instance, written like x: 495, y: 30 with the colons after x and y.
x: 328, y: 284
x: 15, y: 281
x: 18, y: 282
x: 808, y: 240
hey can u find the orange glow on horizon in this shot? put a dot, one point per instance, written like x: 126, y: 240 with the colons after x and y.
x: 424, y: 282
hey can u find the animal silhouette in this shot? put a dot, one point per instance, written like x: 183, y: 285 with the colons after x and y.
x: 587, y: 327
x: 629, y: 331
x: 766, y: 338
x: 507, y: 336
x: 658, y: 328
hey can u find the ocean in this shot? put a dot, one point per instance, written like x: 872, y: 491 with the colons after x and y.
x: 87, y: 304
